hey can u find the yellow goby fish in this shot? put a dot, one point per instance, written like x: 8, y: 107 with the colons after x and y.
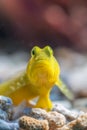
x: 41, y: 74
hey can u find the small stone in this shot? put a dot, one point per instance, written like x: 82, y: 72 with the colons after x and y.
x: 79, y: 124
x: 6, y: 108
x: 69, y: 114
x: 38, y: 113
x: 29, y: 123
x: 3, y: 115
x: 5, y: 103
x: 8, y: 126
x: 54, y: 118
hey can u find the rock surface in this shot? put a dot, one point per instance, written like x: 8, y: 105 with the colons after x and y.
x: 54, y: 118
x: 79, y: 124
x: 26, y: 118
x: 28, y: 123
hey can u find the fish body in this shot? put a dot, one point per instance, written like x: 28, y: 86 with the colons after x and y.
x: 41, y: 74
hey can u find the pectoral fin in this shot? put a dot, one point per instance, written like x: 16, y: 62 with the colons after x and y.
x: 63, y: 88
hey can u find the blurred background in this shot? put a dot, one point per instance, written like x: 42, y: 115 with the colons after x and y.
x: 62, y: 24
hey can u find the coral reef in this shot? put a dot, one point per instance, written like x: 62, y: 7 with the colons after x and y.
x: 54, y: 118
x: 23, y: 117
x: 79, y: 124
x: 28, y: 123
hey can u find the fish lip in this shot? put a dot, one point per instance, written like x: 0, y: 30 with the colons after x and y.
x: 44, y: 61
x: 41, y: 59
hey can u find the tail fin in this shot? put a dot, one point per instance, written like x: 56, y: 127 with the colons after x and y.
x: 63, y: 88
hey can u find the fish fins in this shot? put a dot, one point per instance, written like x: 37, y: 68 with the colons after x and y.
x: 63, y: 88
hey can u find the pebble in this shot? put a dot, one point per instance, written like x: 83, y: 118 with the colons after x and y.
x: 79, y: 124
x: 24, y: 118
x: 3, y: 115
x: 8, y: 125
x: 29, y: 123
x: 54, y: 118
x: 70, y: 115
x: 6, y: 108
x: 5, y: 103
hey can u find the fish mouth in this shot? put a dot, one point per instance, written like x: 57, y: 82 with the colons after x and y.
x: 44, y: 59
x: 43, y: 67
x: 42, y: 63
x: 42, y: 71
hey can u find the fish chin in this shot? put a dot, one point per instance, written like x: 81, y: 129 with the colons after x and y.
x: 43, y: 74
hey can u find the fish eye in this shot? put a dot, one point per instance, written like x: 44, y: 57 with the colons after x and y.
x: 35, y: 50
x: 48, y: 50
